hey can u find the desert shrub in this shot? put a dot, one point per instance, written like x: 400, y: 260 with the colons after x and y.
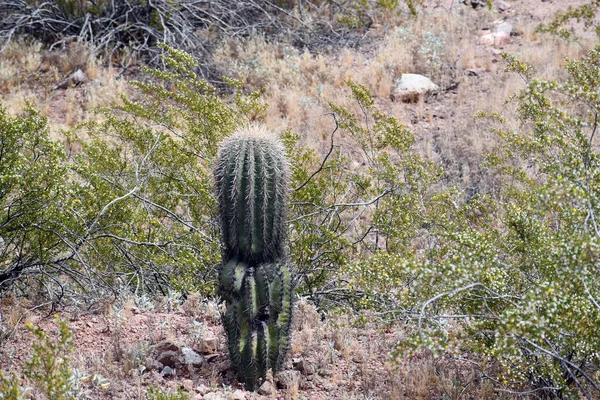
x: 10, y: 388
x: 49, y: 366
x: 519, y: 274
x: 561, y: 24
x: 366, y: 198
x: 132, y: 207
x: 32, y: 184
x: 155, y: 158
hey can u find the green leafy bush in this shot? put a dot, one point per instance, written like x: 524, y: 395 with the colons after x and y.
x: 134, y: 208
x: 32, y: 185
x: 367, y: 198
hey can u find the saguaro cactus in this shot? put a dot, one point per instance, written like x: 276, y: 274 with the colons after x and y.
x: 255, y: 282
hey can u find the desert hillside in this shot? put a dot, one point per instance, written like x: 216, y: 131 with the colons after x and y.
x: 415, y: 218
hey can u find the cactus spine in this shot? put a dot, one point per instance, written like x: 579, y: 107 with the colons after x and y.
x: 251, y: 177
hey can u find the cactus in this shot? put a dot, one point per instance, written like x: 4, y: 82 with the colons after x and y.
x: 254, y: 280
x: 251, y: 178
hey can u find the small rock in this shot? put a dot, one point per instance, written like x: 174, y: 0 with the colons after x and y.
x: 497, y: 39
x: 266, y: 389
x: 169, y: 358
x: 476, y: 3
x: 188, y: 385
x: 215, y: 396
x: 209, y: 343
x: 288, y: 379
x: 165, y: 345
x: 190, y: 357
x: 211, y: 357
x: 202, y: 389
x: 358, y: 358
x: 303, y: 366
x: 238, y: 395
x: 153, y: 365
x: 412, y: 86
x: 79, y: 77
x: 168, y: 371
x: 502, y: 5
x: 503, y: 26
x: 198, y: 396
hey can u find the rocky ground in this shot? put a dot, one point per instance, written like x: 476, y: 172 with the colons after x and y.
x: 126, y: 351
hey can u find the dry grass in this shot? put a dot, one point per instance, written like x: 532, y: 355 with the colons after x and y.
x: 441, y: 44
x: 29, y: 73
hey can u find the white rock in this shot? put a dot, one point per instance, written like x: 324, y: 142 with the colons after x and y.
x: 411, y: 86
x: 79, y: 77
x: 202, y: 389
x: 190, y: 357
x: 496, y: 39
x: 215, y: 396
x: 238, y: 395
x: 503, y: 26
x: 502, y: 5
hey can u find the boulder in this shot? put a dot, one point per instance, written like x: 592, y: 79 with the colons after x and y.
x: 165, y: 345
x: 410, y: 87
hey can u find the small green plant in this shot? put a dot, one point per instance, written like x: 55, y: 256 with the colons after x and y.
x: 433, y: 49
x: 255, y: 282
x: 49, y: 366
x: 134, y: 358
x: 11, y: 389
